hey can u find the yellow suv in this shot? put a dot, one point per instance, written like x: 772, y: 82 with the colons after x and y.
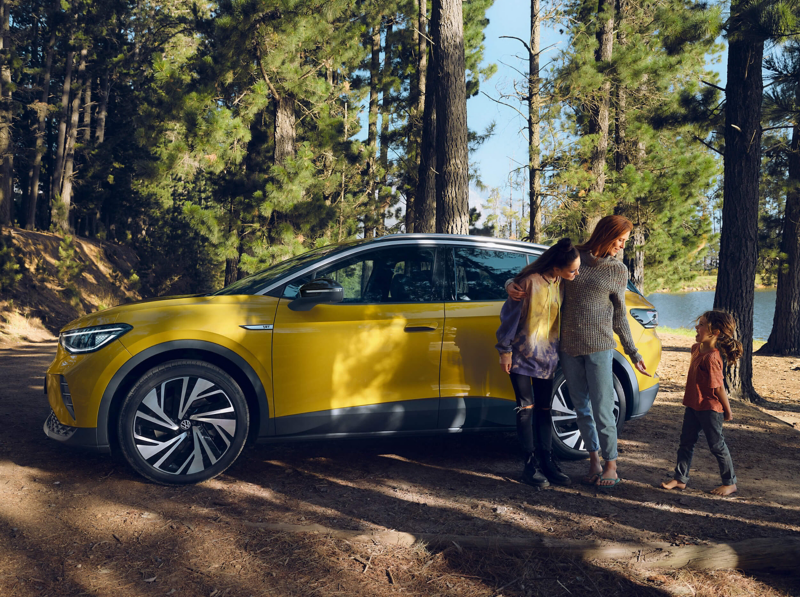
x: 391, y: 336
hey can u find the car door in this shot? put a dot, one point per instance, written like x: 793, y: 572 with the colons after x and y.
x: 370, y: 363
x: 475, y: 392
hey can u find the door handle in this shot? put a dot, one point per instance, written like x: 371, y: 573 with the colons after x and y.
x: 421, y: 327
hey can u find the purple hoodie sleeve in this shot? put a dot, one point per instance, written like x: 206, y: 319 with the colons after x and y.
x: 509, y: 322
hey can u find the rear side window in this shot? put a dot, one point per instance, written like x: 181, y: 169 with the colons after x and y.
x: 481, y: 273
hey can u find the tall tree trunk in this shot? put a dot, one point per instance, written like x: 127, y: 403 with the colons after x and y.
x: 739, y: 236
x: 425, y: 199
x: 58, y: 162
x: 72, y: 138
x: 384, y: 196
x: 420, y: 40
x: 6, y: 116
x: 534, y: 126
x: 372, y: 129
x: 785, y: 336
x: 285, y: 132
x: 599, y: 119
x: 86, y: 137
x: 452, y: 153
x: 102, y: 110
x: 41, y: 129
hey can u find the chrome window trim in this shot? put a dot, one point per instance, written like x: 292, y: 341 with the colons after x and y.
x: 443, y: 240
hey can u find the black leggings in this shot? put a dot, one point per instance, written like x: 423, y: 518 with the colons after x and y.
x: 536, y: 421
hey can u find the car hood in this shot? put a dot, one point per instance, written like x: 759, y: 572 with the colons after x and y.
x: 119, y: 313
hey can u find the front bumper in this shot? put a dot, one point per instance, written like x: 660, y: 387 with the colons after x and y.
x: 646, y: 400
x: 81, y: 437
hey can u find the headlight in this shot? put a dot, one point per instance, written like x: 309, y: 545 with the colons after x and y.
x: 93, y: 338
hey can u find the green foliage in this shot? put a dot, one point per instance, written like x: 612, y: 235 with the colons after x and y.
x: 11, y: 263
x: 69, y: 269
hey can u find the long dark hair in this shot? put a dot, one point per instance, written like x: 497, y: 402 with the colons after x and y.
x: 559, y: 255
x: 725, y: 324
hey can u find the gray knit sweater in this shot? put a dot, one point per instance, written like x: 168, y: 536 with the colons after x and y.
x: 594, y: 308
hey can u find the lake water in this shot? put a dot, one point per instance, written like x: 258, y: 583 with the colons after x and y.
x: 679, y: 310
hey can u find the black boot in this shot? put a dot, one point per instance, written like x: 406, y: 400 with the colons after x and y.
x: 532, y: 474
x: 551, y: 470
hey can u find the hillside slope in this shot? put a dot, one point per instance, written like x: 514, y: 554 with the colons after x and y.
x: 38, y: 305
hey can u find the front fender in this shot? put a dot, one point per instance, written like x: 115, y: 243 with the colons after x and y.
x: 157, y: 354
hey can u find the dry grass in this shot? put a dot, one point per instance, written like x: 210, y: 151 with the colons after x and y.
x: 17, y: 326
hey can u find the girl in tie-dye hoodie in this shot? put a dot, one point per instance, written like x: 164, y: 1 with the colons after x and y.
x: 527, y: 341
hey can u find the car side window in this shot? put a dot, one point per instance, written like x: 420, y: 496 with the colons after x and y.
x: 482, y: 273
x: 403, y: 274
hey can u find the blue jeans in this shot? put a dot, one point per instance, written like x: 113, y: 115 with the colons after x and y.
x: 591, y: 387
x: 710, y: 423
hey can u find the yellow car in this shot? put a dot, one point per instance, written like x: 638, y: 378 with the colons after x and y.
x: 391, y: 336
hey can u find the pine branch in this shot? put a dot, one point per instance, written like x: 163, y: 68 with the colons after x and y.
x: 272, y: 89
x: 711, y: 147
x: 505, y: 104
x: 714, y: 86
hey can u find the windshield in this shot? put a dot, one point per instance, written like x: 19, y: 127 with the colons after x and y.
x: 256, y: 282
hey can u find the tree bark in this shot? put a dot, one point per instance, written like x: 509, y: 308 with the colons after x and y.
x: 452, y: 153
x: 599, y: 113
x: 102, y: 110
x: 785, y: 336
x: 72, y: 137
x: 534, y: 126
x: 86, y: 137
x: 285, y: 132
x: 739, y: 235
x: 41, y: 130
x: 6, y: 117
x: 372, y: 129
x: 425, y: 197
x: 384, y: 199
x: 58, y: 163
x: 420, y: 41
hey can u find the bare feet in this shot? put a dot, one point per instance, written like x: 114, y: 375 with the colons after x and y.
x: 609, y: 477
x: 724, y: 490
x: 674, y: 485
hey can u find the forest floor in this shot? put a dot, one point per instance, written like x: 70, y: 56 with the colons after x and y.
x: 75, y: 523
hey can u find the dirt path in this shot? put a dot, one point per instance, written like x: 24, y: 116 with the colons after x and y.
x: 77, y: 523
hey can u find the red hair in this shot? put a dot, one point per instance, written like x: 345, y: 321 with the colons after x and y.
x: 608, y: 230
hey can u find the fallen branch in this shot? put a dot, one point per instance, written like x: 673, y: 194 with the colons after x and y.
x: 779, y: 554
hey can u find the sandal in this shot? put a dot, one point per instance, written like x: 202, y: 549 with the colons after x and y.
x: 612, y: 486
x: 590, y: 479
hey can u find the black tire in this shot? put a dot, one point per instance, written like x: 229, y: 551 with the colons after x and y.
x: 155, y: 414
x: 567, y: 441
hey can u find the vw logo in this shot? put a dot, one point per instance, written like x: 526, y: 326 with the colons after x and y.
x: 186, y: 424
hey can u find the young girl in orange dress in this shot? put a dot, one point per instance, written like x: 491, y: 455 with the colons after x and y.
x: 706, y: 401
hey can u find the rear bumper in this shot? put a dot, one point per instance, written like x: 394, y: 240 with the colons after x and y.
x: 79, y: 437
x: 646, y: 399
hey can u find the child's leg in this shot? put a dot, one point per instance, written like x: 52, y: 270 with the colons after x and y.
x: 712, y: 428
x: 690, y: 432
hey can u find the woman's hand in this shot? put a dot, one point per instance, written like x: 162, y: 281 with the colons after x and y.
x: 642, y: 369
x: 505, y: 362
x: 515, y: 291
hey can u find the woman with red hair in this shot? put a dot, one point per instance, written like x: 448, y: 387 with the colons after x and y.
x: 593, y: 309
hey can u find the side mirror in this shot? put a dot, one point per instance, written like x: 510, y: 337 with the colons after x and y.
x: 321, y: 290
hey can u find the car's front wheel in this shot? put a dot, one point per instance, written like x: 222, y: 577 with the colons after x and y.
x: 183, y: 422
x: 567, y: 441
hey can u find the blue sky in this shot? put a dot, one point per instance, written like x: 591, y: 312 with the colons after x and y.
x: 507, y: 148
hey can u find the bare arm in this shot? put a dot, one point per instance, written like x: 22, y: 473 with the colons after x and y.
x: 722, y: 396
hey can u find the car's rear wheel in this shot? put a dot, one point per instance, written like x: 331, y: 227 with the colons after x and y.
x: 183, y: 422
x: 567, y: 441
